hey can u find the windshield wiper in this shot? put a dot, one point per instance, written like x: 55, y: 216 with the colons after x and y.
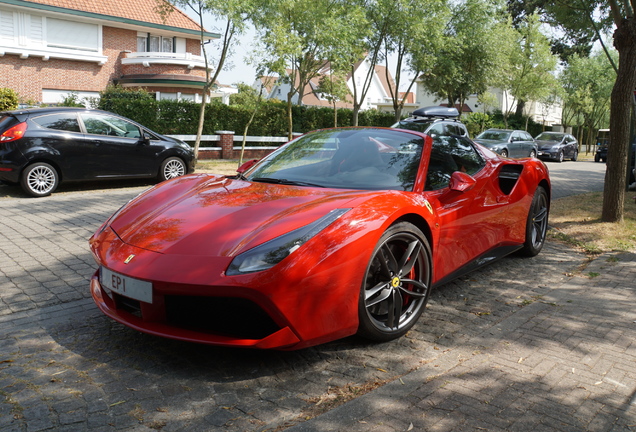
x: 284, y: 181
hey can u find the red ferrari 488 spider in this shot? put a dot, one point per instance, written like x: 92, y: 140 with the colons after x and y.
x: 338, y: 232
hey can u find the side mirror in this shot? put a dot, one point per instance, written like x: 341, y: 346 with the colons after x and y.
x: 145, y: 139
x: 461, y: 182
x: 246, y: 165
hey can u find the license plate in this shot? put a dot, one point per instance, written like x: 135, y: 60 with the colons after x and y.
x: 126, y: 286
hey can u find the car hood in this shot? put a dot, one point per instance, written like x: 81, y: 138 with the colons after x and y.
x: 545, y: 145
x: 216, y: 216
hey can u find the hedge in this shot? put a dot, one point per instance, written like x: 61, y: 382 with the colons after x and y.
x: 182, y: 117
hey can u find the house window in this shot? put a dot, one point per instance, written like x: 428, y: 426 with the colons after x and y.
x: 72, y: 35
x: 142, y: 43
x: 166, y: 44
x: 153, y: 43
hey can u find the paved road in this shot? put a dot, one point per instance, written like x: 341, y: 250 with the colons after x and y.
x: 66, y: 367
x: 573, y: 178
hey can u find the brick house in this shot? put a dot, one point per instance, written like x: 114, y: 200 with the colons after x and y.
x: 49, y: 48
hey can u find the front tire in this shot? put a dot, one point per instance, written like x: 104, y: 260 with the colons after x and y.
x: 396, y: 285
x: 561, y: 156
x: 536, y: 224
x: 533, y: 153
x: 504, y: 153
x: 575, y: 156
x: 39, y: 179
x: 171, y: 168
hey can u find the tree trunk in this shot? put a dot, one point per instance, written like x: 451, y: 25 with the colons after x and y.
x: 620, y: 114
x: 521, y: 104
x: 354, y: 116
x: 290, y: 121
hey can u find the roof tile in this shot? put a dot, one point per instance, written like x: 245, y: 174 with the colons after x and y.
x: 138, y: 10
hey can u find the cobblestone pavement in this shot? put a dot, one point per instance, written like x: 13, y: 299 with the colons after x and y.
x: 524, y: 344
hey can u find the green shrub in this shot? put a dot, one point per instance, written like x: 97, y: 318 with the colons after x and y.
x: 71, y: 100
x: 182, y: 117
x: 8, y: 99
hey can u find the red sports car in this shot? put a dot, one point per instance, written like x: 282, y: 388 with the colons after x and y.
x: 338, y: 232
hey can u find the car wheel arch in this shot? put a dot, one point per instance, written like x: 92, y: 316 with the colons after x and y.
x: 419, y: 222
x: 54, y: 164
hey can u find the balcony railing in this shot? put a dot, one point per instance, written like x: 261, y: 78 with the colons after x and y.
x: 149, y: 58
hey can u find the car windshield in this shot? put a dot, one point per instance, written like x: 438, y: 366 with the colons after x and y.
x: 550, y: 136
x: 494, y: 135
x: 352, y: 158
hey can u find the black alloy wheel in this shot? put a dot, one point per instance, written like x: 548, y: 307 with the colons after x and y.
x: 536, y: 224
x: 396, y: 285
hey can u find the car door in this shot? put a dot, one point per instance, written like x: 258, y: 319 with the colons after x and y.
x: 529, y: 144
x: 516, y: 145
x: 118, y: 147
x: 469, y: 221
x: 572, y: 145
x: 60, y: 140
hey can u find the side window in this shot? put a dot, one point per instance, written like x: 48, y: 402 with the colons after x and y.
x: 450, y: 154
x: 451, y: 129
x: 107, y: 125
x: 64, y: 122
x: 436, y: 130
x: 455, y: 129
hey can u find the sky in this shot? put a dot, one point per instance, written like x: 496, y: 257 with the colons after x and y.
x: 236, y: 67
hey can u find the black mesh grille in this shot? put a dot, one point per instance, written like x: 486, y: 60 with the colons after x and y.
x: 233, y: 317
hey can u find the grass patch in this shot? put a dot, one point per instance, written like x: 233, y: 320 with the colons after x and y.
x: 217, y: 166
x: 577, y: 221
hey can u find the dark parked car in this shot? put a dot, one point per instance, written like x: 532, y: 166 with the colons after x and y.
x: 602, y: 141
x: 557, y: 146
x: 41, y: 147
x: 434, y: 121
x: 508, y: 143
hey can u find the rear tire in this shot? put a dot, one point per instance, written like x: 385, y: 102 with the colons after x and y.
x: 39, y: 179
x: 536, y: 224
x: 396, y: 284
x: 575, y: 156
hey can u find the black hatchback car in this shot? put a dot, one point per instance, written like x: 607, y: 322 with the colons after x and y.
x: 41, y: 147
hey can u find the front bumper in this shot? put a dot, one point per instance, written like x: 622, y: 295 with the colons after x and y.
x: 155, y: 319
x: 547, y: 155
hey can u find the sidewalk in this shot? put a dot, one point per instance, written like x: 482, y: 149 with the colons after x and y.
x: 566, y: 362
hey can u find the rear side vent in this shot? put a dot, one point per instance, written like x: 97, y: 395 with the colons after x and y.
x: 508, y: 177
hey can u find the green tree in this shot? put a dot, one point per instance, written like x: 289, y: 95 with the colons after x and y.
x: 413, y: 49
x: 578, y: 17
x: 471, y: 52
x: 587, y: 84
x: 333, y: 87
x: 8, y: 99
x: 233, y: 16
x: 299, y: 37
x: 528, y: 72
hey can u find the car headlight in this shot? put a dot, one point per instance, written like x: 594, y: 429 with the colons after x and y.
x: 270, y: 253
